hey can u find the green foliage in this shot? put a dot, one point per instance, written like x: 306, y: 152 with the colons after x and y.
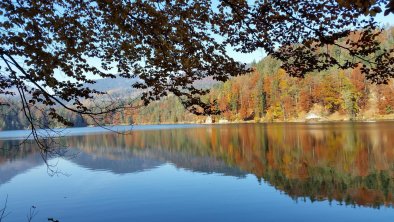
x: 389, y: 110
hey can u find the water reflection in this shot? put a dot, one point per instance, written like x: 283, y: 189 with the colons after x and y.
x: 349, y: 163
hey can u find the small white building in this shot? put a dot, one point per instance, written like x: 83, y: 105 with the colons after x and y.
x: 223, y: 121
x: 209, y: 120
x: 312, y: 117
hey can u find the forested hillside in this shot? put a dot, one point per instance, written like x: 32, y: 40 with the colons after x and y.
x: 266, y: 94
x: 269, y: 94
x: 334, y: 95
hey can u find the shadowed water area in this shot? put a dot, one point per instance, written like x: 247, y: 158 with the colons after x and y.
x: 236, y: 172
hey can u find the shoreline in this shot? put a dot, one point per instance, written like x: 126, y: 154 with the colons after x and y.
x: 275, y: 121
x: 293, y: 121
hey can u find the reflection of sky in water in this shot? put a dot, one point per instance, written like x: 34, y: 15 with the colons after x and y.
x: 165, y: 193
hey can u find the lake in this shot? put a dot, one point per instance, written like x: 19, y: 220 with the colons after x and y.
x: 235, y: 172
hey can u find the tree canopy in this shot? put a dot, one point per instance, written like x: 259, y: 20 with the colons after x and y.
x: 49, y: 50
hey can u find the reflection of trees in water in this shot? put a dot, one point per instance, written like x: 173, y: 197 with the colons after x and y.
x: 350, y: 163
x: 12, y: 149
x: 15, y: 159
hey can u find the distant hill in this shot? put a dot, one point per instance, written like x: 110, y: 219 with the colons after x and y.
x: 120, y: 86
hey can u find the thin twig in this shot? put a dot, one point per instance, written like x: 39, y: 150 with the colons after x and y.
x: 3, y: 213
x: 32, y: 213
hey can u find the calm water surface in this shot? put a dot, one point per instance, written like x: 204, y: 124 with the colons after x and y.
x: 240, y: 172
